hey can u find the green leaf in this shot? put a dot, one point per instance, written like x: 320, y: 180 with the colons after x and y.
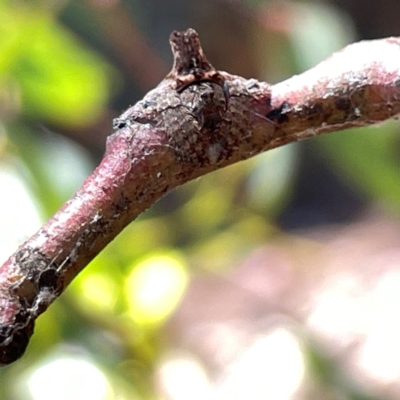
x: 60, y: 80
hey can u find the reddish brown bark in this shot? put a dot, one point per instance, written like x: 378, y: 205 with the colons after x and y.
x: 195, y: 121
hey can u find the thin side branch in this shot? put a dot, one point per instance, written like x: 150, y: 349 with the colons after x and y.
x: 195, y: 121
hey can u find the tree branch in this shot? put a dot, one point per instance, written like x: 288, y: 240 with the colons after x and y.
x: 195, y: 121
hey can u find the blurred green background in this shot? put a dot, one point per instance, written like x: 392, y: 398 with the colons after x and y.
x: 218, y: 291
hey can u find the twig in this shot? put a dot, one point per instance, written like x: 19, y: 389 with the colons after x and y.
x: 196, y: 121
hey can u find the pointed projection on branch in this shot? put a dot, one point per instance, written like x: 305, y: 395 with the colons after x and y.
x: 190, y: 63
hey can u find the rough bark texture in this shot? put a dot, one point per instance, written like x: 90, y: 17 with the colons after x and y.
x: 195, y: 121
